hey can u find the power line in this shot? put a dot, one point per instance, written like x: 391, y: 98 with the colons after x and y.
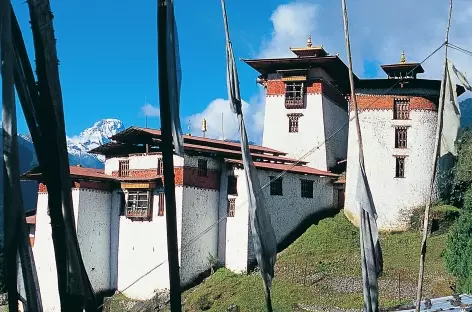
x: 455, y: 47
x: 288, y: 169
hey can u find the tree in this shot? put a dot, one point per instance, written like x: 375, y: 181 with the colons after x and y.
x: 458, y: 254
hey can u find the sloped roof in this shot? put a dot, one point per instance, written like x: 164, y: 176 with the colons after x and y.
x: 286, y: 167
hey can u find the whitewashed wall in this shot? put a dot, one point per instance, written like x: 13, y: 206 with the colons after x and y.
x: 237, y: 229
x: 336, y: 139
x: 310, y: 129
x: 222, y: 211
x: 43, y: 252
x: 143, y: 247
x: 199, y: 212
x: 287, y: 212
x: 138, y: 162
x: 393, y: 197
x: 114, y: 238
x: 93, y: 234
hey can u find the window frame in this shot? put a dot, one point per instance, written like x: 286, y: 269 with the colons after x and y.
x: 401, y: 137
x: 140, y: 213
x: 294, y: 122
x: 276, y: 186
x: 232, y: 188
x: 401, y: 109
x: 305, y: 186
x: 400, y: 167
x: 160, y: 166
x: 231, y: 207
x: 294, y: 94
x: 202, y: 168
x: 123, y: 168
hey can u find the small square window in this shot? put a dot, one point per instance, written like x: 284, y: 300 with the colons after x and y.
x: 276, y: 186
x: 401, y: 137
x: 293, y: 122
x: 307, y: 188
x: 232, y: 185
x: 400, y: 167
x: 202, y: 168
x: 294, y: 93
x: 123, y: 168
x: 160, y: 167
x: 139, y: 204
x: 231, y: 207
x: 401, y: 109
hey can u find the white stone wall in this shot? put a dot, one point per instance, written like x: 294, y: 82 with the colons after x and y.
x: 310, y: 133
x: 137, y: 162
x: 114, y: 237
x: 237, y: 229
x: 393, y: 197
x: 199, y: 214
x: 336, y: 140
x: 43, y: 252
x: 287, y: 212
x: 143, y: 250
x: 93, y: 234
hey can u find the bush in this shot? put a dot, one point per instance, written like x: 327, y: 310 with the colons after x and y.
x: 441, y: 218
x: 467, y: 201
x: 458, y: 254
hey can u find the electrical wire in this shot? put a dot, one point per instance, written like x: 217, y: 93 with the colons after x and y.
x: 286, y: 170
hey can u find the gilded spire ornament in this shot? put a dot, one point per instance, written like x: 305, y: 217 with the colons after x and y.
x: 308, y: 42
x: 403, y: 59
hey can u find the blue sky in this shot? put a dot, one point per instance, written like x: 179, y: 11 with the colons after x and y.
x: 108, y: 50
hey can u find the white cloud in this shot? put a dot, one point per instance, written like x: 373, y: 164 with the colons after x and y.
x: 150, y: 111
x: 379, y: 31
x: 219, y: 117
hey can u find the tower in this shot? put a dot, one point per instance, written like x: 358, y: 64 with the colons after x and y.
x: 398, y: 118
x: 305, y: 105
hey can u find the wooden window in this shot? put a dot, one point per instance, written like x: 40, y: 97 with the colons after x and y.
x: 401, y: 137
x: 400, y: 167
x: 139, y: 204
x: 123, y: 168
x: 160, y: 167
x: 231, y: 207
x: 162, y: 203
x: 202, y: 168
x: 401, y: 109
x: 293, y: 122
x: 294, y: 95
x: 307, y: 188
x: 275, y: 186
x: 232, y: 185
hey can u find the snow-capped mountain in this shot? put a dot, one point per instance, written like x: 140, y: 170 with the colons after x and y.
x: 93, y: 137
x: 78, y: 146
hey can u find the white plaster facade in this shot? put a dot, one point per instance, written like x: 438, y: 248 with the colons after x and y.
x: 394, y: 198
x: 321, y: 119
x: 131, y: 255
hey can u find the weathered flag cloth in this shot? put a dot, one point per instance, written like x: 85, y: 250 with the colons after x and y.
x: 263, y: 236
x: 174, y: 78
x: 371, y: 252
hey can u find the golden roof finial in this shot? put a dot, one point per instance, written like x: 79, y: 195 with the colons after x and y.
x: 403, y: 59
x: 308, y: 42
x: 204, y: 125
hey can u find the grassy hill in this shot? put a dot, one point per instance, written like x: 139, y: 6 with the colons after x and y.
x: 321, y: 269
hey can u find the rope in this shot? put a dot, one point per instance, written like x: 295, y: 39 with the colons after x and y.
x: 419, y: 292
x: 285, y: 171
x: 455, y: 47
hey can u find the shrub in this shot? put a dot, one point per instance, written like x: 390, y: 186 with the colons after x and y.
x: 441, y: 218
x: 467, y: 200
x: 458, y: 254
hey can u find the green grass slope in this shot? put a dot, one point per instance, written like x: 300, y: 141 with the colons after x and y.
x: 321, y: 270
